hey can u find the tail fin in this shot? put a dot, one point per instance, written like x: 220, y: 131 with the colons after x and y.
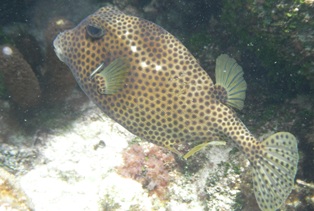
x: 275, y: 170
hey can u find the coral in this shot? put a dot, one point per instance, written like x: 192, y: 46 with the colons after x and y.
x: 11, y: 196
x: 58, y: 81
x: 150, y: 167
x: 17, y: 158
x: 26, y: 42
x: 19, y: 78
x: 32, y: 78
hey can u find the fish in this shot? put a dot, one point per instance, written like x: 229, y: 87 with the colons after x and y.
x: 146, y: 80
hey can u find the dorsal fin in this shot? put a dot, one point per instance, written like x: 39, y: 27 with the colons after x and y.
x: 229, y: 80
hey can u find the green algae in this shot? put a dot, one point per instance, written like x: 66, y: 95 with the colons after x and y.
x: 109, y: 203
x: 267, y: 30
x: 198, y: 40
x: 228, y: 167
x: 239, y: 202
x: 4, y: 38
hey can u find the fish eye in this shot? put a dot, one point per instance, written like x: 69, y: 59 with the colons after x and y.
x: 94, y: 31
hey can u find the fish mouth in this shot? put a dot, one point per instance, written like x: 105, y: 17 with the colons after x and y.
x: 57, y: 47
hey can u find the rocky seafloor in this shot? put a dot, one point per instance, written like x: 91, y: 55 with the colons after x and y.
x: 82, y: 167
x: 89, y: 162
x: 59, y: 152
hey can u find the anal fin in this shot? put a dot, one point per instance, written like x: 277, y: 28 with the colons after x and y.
x: 201, y: 146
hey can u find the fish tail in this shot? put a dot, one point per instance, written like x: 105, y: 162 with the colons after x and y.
x: 274, y: 169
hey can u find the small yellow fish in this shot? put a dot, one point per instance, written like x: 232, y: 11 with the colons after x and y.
x: 146, y: 80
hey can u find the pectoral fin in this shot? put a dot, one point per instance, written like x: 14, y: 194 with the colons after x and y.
x: 111, y: 79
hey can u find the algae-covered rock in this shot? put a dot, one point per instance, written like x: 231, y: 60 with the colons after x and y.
x: 279, y: 35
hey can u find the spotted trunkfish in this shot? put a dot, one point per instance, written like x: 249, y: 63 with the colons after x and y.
x: 146, y: 80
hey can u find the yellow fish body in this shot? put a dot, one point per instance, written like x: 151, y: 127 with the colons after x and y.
x: 146, y: 80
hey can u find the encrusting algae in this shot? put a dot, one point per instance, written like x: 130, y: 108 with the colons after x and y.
x: 147, y: 81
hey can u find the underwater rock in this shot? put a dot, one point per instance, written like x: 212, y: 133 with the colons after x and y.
x: 58, y: 81
x: 72, y: 174
x: 279, y: 34
x: 19, y: 78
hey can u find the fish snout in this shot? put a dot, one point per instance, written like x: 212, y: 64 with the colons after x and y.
x: 59, y: 47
